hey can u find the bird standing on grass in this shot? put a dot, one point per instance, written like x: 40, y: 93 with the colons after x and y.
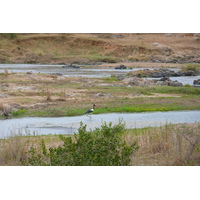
x: 89, y: 112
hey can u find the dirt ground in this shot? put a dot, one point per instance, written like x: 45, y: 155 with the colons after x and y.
x: 38, y: 91
x: 88, y: 48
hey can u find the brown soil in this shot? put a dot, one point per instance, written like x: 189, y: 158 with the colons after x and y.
x: 94, y: 48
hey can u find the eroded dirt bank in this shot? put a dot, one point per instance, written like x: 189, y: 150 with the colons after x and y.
x: 98, y: 48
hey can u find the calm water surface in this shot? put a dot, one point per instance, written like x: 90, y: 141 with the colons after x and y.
x: 69, y: 125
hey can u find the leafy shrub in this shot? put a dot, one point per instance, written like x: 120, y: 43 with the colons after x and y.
x: 101, y: 147
x: 187, y: 85
x: 106, y: 59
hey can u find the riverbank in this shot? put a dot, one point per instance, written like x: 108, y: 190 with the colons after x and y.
x: 169, y: 145
x: 33, y: 94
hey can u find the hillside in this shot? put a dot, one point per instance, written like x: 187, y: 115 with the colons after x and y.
x: 94, y: 48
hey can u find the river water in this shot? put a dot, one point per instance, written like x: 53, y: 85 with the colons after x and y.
x: 88, y: 73
x: 69, y: 125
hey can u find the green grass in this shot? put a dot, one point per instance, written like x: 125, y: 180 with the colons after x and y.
x: 108, y: 59
x: 110, y: 79
x: 20, y: 112
x: 148, y: 90
x: 127, y: 105
x: 174, y: 90
x: 148, y: 107
x: 193, y: 67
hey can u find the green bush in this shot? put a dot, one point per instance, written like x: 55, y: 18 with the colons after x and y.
x: 101, y: 147
x: 187, y: 85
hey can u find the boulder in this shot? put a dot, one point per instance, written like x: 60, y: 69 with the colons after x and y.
x: 121, y: 67
x: 70, y: 66
x: 196, y: 82
x: 157, y: 75
x: 174, y: 83
x: 30, y: 72
x: 170, y: 83
x: 188, y: 73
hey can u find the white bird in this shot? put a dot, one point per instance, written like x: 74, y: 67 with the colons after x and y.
x: 89, y: 112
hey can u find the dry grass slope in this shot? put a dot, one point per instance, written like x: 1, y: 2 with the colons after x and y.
x: 86, y: 48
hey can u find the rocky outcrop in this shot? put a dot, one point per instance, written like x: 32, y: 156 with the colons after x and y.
x: 196, y: 82
x: 161, y: 73
x: 175, y: 58
x: 164, y: 49
x: 134, y: 81
x: 71, y: 66
x: 170, y: 83
x: 188, y: 73
x: 121, y: 67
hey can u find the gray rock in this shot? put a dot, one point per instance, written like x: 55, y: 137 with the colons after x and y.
x: 174, y: 83
x: 157, y: 75
x: 121, y: 67
x: 164, y: 79
x: 170, y: 83
x: 188, y: 73
x: 196, y: 82
x: 70, y: 66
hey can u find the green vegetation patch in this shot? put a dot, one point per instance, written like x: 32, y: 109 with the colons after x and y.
x: 191, y: 67
x: 102, y: 147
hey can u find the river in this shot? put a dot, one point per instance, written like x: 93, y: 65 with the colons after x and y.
x: 88, y: 73
x: 69, y: 125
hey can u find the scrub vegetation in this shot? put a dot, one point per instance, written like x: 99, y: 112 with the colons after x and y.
x: 110, y: 145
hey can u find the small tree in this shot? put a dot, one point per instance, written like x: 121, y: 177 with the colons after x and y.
x: 101, y: 147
